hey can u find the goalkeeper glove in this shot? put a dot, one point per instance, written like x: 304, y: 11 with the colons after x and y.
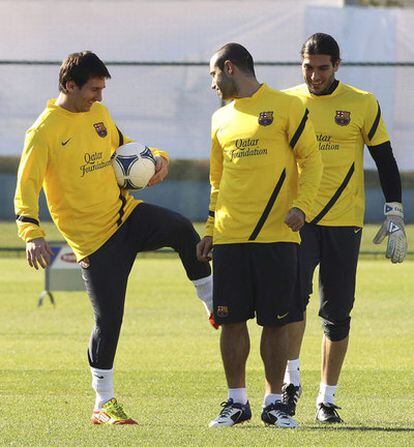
x: 393, y: 227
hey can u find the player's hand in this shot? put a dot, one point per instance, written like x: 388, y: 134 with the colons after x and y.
x: 295, y: 219
x: 204, y: 249
x: 38, y: 253
x: 393, y: 227
x: 161, y: 170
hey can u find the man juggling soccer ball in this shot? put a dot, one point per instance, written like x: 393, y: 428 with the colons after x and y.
x: 68, y: 151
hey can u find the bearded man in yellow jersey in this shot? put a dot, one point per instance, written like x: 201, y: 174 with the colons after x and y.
x: 345, y: 119
x: 68, y: 152
x: 258, y: 203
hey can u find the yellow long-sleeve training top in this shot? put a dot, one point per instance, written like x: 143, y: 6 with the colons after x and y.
x: 344, y: 121
x: 69, y: 154
x: 258, y: 146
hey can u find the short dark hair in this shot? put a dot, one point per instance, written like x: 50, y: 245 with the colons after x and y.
x: 237, y: 54
x: 80, y: 67
x: 321, y: 43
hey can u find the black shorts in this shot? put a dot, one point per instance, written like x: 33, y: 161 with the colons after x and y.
x: 336, y: 250
x: 254, y: 279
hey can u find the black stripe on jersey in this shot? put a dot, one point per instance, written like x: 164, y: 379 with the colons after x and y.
x: 269, y: 206
x: 121, y: 137
x: 299, y: 130
x: 121, y: 210
x: 376, y: 122
x: 335, y: 197
x: 211, y: 213
x: 27, y: 219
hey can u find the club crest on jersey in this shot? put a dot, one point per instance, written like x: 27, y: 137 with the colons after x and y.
x: 265, y: 118
x: 222, y: 311
x: 342, y: 118
x: 100, y: 129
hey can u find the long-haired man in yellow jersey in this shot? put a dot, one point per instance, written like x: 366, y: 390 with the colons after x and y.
x: 258, y: 203
x: 345, y: 119
x: 68, y: 151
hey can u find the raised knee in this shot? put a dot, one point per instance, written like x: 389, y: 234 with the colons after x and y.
x: 183, y: 224
x: 337, y: 330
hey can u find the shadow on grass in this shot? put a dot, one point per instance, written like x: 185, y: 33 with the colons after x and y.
x: 358, y: 428
x: 333, y: 428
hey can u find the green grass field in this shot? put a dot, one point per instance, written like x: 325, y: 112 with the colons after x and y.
x: 8, y: 236
x: 168, y: 369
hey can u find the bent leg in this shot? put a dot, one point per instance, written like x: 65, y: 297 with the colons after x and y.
x: 154, y: 227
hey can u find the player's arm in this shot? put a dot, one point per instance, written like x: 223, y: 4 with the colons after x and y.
x: 216, y: 168
x: 302, y: 141
x: 388, y: 171
x: 376, y: 138
x: 161, y: 167
x: 393, y: 225
x: 32, y: 168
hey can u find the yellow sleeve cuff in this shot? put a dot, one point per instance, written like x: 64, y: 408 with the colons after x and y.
x: 28, y: 231
x: 160, y: 153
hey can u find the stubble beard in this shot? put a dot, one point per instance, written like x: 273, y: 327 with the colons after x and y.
x: 228, y: 90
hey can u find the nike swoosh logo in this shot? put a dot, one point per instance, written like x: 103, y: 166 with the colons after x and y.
x: 279, y: 317
x: 357, y: 230
x: 99, y: 377
x: 64, y: 143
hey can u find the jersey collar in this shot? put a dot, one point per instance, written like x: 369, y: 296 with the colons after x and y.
x: 336, y: 92
x: 256, y: 95
x: 51, y: 105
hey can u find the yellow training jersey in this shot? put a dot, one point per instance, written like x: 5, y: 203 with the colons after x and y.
x: 344, y: 121
x: 257, y: 144
x: 69, y: 154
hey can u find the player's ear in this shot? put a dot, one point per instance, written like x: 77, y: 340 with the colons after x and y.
x: 70, y: 86
x: 336, y: 65
x: 229, y: 67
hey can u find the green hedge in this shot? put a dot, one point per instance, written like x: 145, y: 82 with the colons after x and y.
x: 8, y: 165
x: 198, y: 170
x: 178, y: 170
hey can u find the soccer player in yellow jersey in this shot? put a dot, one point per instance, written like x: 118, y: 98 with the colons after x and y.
x: 258, y: 203
x: 68, y: 152
x: 345, y: 119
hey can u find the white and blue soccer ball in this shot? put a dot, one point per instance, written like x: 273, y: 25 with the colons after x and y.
x: 134, y: 165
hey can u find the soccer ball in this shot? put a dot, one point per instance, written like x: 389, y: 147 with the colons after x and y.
x: 134, y: 165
